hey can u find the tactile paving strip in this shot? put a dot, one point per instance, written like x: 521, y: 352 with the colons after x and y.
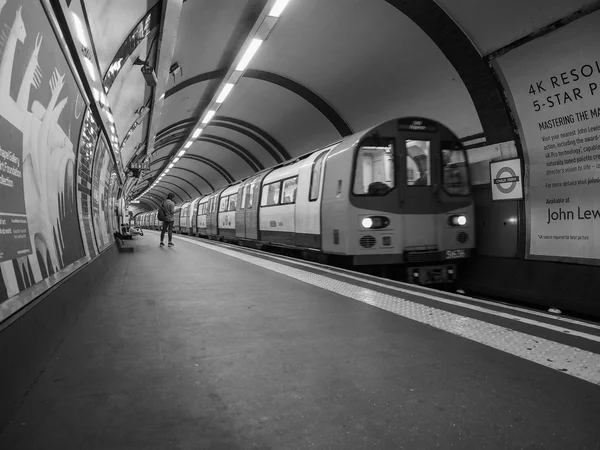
x: 570, y: 360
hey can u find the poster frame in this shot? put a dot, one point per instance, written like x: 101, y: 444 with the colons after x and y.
x: 15, y: 306
x: 525, y: 161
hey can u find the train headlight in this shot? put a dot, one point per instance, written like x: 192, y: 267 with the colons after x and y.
x: 457, y: 221
x: 374, y: 222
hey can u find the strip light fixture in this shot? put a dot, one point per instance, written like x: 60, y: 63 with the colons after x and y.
x: 257, y: 36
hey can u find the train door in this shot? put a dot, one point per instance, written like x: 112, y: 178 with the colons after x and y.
x: 213, y: 216
x: 201, y: 216
x: 253, y: 206
x: 308, y: 201
x: 240, y: 216
x: 193, y: 218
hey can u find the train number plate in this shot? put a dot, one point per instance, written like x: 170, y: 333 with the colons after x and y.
x: 455, y: 254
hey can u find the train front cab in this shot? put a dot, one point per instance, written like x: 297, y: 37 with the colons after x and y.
x: 400, y: 195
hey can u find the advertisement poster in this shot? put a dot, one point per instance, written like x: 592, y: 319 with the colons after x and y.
x: 554, y: 84
x: 100, y: 190
x: 41, y: 113
x: 84, y: 182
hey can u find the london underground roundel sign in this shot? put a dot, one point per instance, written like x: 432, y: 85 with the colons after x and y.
x: 506, y: 180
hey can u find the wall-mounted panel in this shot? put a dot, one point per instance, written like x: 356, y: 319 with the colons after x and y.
x: 41, y: 115
x: 554, y: 87
x: 103, y: 167
x: 85, y: 160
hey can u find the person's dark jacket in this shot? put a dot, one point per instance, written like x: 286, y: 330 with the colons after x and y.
x: 169, y: 209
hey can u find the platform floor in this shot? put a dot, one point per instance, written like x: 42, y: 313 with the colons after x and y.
x: 210, y: 346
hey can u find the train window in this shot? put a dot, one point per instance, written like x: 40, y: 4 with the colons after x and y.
x: 270, y: 194
x: 250, y: 189
x: 224, y: 203
x: 455, y: 172
x: 374, y: 170
x: 315, y: 177
x: 244, y: 192
x: 290, y: 187
x: 232, y: 202
x: 418, y: 163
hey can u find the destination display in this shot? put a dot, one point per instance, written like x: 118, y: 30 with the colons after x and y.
x: 554, y: 82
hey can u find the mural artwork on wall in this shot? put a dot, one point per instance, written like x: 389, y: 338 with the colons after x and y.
x: 41, y: 113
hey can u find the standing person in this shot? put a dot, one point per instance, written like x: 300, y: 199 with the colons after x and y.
x: 168, y: 208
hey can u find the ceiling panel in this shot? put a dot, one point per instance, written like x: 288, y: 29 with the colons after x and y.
x: 290, y: 119
x: 111, y: 21
x: 205, y: 29
x: 372, y: 66
x: 128, y: 91
x: 492, y: 25
x: 181, y: 105
x: 226, y: 159
x: 244, y: 141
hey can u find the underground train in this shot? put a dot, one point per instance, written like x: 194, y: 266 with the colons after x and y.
x: 395, y: 197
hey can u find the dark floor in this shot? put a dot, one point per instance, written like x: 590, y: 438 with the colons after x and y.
x: 187, y: 348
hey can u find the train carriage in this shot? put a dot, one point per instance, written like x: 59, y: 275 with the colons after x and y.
x: 395, y: 196
x: 156, y: 224
x: 179, y: 210
x: 188, y: 217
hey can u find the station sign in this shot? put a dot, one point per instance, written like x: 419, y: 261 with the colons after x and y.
x: 506, y: 180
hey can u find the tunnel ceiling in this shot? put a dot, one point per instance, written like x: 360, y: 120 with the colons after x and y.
x: 325, y: 70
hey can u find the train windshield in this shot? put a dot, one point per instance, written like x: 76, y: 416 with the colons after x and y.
x: 418, y: 163
x: 374, y: 170
x: 455, y: 172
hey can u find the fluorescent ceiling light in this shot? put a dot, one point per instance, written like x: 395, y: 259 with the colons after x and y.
x: 224, y: 93
x: 176, y: 159
x: 197, y: 133
x: 167, y: 170
x: 90, y: 68
x: 171, y: 165
x: 188, y: 145
x: 209, y: 115
x: 79, y: 29
x: 103, y: 98
x: 181, y: 153
x: 252, y: 49
x: 96, y: 94
x: 278, y: 8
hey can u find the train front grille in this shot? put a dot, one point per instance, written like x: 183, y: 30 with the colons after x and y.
x: 367, y: 241
x: 422, y: 257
